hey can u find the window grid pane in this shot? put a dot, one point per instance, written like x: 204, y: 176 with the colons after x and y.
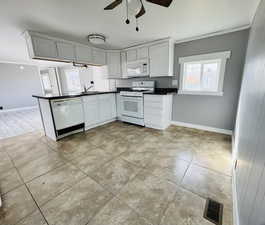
x: 73, y: 80
x: 201, y: 76
x: 192, y: 76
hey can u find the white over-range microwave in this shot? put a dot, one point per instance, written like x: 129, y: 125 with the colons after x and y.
x: 139, y: 68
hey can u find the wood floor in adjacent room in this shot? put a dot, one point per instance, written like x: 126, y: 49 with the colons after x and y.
x: 116, y: 174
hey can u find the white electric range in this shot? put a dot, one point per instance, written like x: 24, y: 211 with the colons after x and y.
x: 132, y: 101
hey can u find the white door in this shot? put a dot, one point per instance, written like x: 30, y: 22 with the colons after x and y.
x: 159, y: 60
x: 114, y: 64
x: 66, y: 51
x: 124, y: 65
x: 49, y: 81
x: 44, y: 48
x: 91, y: 110
x: 107, y: 107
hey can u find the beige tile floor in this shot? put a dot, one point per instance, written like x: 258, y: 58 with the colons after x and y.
x: 116, y: 174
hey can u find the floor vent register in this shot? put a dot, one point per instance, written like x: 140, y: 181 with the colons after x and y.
x: 213, y: 211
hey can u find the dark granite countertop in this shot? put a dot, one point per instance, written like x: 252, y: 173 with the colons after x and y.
x: 50, y: 97
x: 163, y: 91
x: 158, y: 91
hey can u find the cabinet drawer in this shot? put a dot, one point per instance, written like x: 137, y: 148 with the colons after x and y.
x: 154, y: 98
x: 106, y: 96
x: 90, y: 99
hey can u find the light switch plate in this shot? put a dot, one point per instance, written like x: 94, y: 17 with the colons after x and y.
x: 175, y: 82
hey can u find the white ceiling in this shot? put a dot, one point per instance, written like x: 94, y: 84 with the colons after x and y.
x: 75, y: 19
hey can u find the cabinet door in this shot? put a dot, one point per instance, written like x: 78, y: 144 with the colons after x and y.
x: 44, y: 48
x: 131, y: 55
x: 99, y: 57
x: 124, y: 65
x: 83, y: 54
x: 91, y: 110
x: 159, y: 60
x: 107, y: 107
x: 66, y: 51
x: 142, y: 53
x: 114, y: 65
x: 118, y: 105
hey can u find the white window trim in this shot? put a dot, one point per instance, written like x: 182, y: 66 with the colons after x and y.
x: 196, y: 58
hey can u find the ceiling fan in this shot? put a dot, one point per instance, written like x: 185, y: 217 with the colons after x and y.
x: 136, y: 7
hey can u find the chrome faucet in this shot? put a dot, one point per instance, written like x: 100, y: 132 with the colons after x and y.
x: 87, y: 88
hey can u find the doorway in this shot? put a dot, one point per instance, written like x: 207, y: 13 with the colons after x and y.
x: 49, y: 81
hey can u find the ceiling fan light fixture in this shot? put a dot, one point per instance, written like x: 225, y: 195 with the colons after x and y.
x: 96, y: 39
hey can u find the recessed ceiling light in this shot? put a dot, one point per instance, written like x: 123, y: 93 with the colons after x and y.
x: 21, y: 67
x: 96, y: 39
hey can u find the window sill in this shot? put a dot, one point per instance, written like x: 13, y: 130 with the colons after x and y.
x: 200, y: 93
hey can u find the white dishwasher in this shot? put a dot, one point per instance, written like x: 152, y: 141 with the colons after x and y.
x: 68, y: 115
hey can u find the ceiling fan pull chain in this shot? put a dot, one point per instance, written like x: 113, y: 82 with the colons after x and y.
x: 127, y: 13
x: 137, y: 27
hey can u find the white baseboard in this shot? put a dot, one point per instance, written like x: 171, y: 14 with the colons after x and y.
x: 18, y: 109
x: 235, y: 206
x: 201, y: 127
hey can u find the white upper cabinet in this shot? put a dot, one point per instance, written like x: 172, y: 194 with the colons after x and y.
x: 66, y: 51
x: 42, y: 48
x: 142, y: 53
x: 137, y: 53
x: 83, y: 54
x: 161, y: 59
x: 131, y: 55
x: 124, y: 65
x: 114, y: 64
x: 98, y: 56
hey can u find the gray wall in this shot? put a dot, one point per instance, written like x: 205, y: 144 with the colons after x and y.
x: 250, y: 129
x: 213, y: 111
x: 17, y: 85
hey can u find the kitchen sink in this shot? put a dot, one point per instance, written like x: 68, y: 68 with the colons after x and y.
x: 90, y: 92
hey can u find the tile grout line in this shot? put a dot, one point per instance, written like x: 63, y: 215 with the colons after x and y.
x: 212, y: 170
x: 29, y: 193
x: 115, y: 195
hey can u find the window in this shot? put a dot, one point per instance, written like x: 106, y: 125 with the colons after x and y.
x: 203, y: 74
x: 46, y: 82
x: 73, y: 80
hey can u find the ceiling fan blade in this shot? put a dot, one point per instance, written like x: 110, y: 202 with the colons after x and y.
x: 113, y: 5
x: 141, y: 12
x: 165, y: 3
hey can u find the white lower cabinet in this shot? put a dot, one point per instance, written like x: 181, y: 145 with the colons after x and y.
x: 107, y: 107
x: 99, y: 109
x: 157, y: 111
x: 118, y: 105
x: 91, y: 110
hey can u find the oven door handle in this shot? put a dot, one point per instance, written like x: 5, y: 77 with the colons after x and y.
x: 134, y: 99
